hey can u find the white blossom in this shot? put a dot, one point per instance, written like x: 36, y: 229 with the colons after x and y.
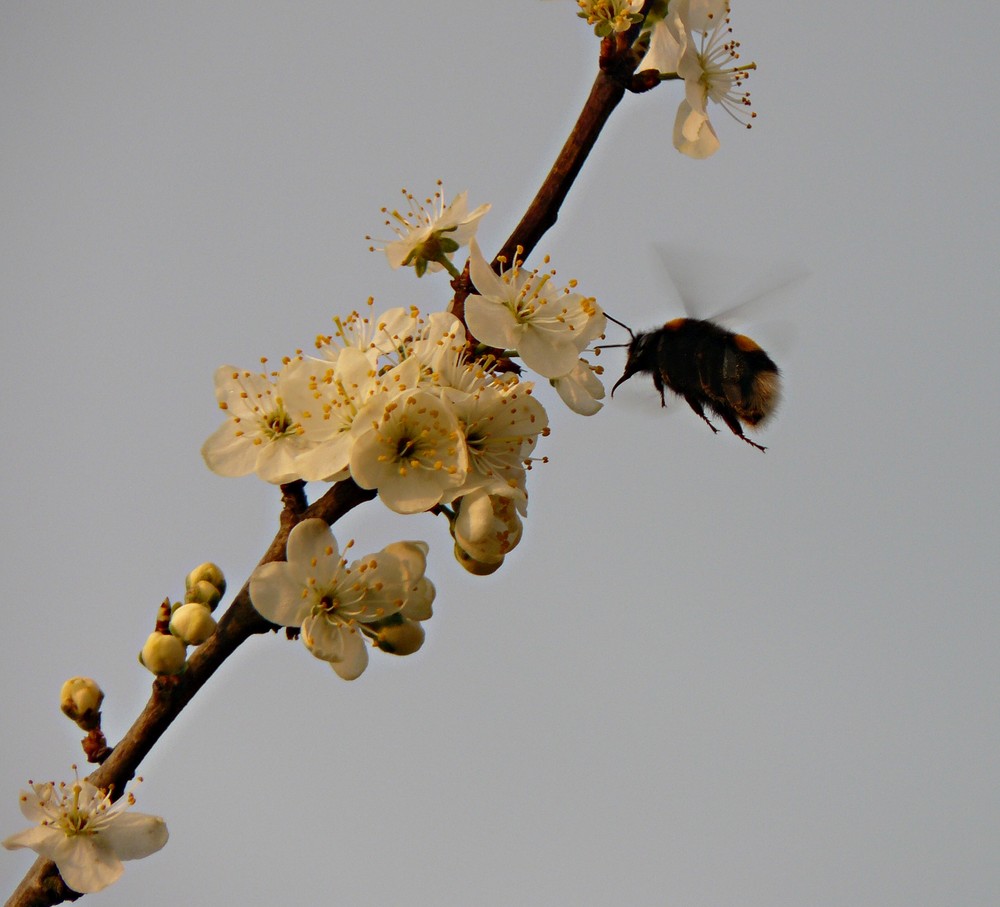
x: 328, y: 396
x: 260, y: 433
x: 521, y: 310
x: 398, y: 402
x: 333, y: 604
x: 694, y: 42
x: 85, y: 834
x: 410, y: 447
x: 379, y: 335
x: 431, y: 232
x: 501, y: 424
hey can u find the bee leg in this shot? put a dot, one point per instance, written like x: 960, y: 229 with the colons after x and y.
x: 658, y: 384
x: 695, y: 404
x: 737, y: 429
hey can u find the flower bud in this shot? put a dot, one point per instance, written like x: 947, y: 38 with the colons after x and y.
x: 487, y: 526
x: 478, y: 568
x: 204, y: 593
x: 400, y: 636
x: 80, y: 700
x: 192, y: 623
x: 209, y: 572
x: 163, y: 653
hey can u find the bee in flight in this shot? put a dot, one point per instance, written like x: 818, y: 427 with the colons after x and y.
x: 712, y: 368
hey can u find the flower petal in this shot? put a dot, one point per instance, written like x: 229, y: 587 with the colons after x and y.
x: 355, y: 659
x: 276, y: 596
x: 133, y: 836
x: 229, y: 454
x: 86, y: 863
x: 665, y: 48
x: 343, y: 647
x: 490, y: 322
x: 486, y: 281
x: 312, y: 539
x: 545, y: 352
x: 703, y: 15
x: 41, y: 839
x: 276, y: 462
x: 693, y: 133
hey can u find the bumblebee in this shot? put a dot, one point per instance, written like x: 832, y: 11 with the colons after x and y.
x: 713, y: 369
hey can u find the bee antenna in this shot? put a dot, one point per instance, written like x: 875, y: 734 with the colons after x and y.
x: 620, y: 324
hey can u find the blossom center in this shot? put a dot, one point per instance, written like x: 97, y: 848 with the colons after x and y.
x: 328, y: 606
x: 278, y: 424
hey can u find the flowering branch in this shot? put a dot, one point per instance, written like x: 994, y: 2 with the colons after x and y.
x: 428, y: 414
x: 42, y: 885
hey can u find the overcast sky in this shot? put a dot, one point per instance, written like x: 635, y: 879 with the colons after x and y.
x: 707, y: 676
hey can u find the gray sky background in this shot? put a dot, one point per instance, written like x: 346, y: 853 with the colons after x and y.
x: 706, y: 677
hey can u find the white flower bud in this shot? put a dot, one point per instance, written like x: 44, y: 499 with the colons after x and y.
x: 204, y: 593
x: 209, y: 572
x: 400, y: 637
x: 192, y: 623
x: 477, y: 568
x: 162, y: 654
x: 80, y: 700
x: 487, y: 526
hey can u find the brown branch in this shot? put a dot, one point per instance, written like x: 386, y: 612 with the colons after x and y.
x: 617, y: 64
x: 618, y: 60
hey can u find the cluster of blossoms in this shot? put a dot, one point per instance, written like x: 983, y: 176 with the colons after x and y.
x: 85, y: 834
x: 689, y: 40
x: 429, y: 413
x: 394, y: 402
x: 407, y: 404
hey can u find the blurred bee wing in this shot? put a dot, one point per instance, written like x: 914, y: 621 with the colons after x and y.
x: 772, y: 292
x: 686, y: 273
x: 702, y: 283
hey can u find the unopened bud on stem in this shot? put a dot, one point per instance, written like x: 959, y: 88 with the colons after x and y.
x: 80, y: 700
x: 207, y: 572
